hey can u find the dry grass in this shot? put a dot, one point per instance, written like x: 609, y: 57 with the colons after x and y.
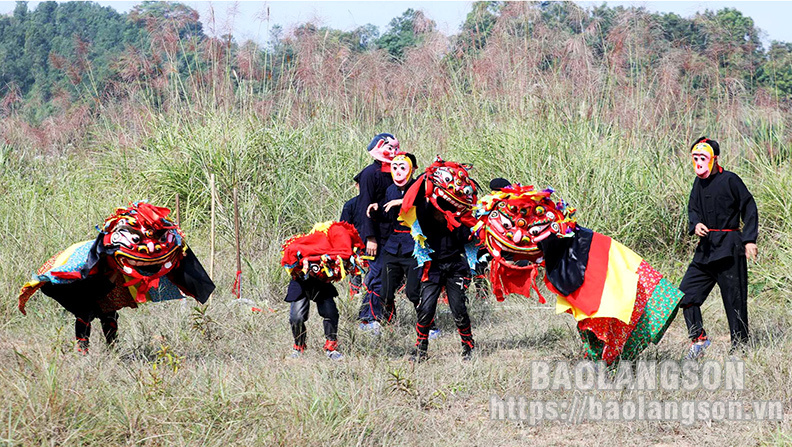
x: 171, y: 383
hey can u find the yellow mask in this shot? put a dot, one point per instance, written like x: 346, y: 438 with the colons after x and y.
x: 703, y: 159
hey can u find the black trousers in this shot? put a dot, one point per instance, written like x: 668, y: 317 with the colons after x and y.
x: 731, y: 276
x: 394, y: 269
x: 298, y: 315
x: 454, y: 275
x: 82, y: 327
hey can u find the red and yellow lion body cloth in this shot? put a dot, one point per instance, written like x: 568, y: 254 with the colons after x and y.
x: 329, y: 252
x: 620, y: 302
x: 139, y: 256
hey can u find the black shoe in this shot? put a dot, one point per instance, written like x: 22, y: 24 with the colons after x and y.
x: 419, y: 355
x: 82, y: 346
x: 467, y: 353
x: 739, y: 349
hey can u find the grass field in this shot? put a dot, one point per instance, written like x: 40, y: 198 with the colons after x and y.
x: 613, y: 145
x: 219, y: 375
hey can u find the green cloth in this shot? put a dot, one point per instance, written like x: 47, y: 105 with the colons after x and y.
x: 660, y: 310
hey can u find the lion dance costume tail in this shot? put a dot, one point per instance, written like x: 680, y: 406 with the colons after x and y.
x: 621, y: 303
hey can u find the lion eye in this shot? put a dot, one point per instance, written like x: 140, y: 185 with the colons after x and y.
x: 539, y: 210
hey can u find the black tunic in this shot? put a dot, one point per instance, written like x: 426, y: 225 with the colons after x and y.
x: 719, y: 202
x: 399, y: 241
x: 446, y: 243
x: 373, y: 183
x: 349, y: 213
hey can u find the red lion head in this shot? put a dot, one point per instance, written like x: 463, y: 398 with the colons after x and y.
x: 451, y: 190
x: 143, y: 243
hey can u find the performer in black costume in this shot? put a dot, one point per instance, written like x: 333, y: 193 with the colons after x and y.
x: 718, y: 201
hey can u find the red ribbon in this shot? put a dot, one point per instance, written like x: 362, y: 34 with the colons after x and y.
x: 237, y: 287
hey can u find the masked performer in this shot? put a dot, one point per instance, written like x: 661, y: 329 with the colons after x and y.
x: 328, y: 253
x: 718, y: 200
x: 620, y: 302
x: 350, y: 216
x: 139, y: 256
x: 397, y: 253
x: 438, y: 210
x: 374, y: 180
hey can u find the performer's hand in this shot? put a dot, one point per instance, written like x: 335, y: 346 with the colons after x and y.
x: 373, y: 206
x: 751, y: 251
x: 701, y: 230
x: 371, y: 246
x: 391, y: 204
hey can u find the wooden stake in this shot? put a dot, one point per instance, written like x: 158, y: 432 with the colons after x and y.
x: 212, y: 227
x: 178, y: 211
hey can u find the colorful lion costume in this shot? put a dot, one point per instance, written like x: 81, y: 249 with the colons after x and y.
x: 447, y: 185
x: 621, y: 303
x: 329, y: 252
x: 139, y: 256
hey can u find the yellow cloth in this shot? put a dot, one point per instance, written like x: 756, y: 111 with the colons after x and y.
x: 408, y: 219
x: 619, y: 291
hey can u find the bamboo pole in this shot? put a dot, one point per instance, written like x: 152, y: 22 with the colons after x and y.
x: 178, y: 211
x: 238, y: 250
x: 212, y: 226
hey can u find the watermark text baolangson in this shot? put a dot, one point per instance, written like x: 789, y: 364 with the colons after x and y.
x: 642, y: 376
x: 593, y: 409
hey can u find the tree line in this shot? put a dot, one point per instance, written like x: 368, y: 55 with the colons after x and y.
x: 81, y: 51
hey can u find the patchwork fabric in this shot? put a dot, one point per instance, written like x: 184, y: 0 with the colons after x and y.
x: 655, y: 307
x: 139, y: 256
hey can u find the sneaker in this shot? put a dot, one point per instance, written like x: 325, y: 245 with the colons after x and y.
x: 419, y: 355
x: 434, y: 334
x: 697, y: 349
x: 297, y: 351
x: 334, y: 355
x: 467, y: 353
x: 331, y: 350
x: 374, y: 328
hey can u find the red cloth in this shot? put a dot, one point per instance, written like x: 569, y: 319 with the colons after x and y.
x: 509, y: 278
x: 588, y: 296
x: 340, y: 239
x: 151, y: 214
x: 409, y: 197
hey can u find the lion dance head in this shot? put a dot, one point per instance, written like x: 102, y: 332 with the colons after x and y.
x: 451, y: 190
x: 511, y: 224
